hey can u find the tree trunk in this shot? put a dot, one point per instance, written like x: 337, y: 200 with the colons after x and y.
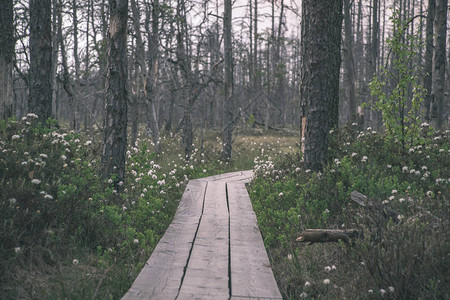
x: 6, y: 58
x: 228, y: 84
x: 440, y: 29
x: 40, y: 101
x: 321, y: 66
x: 349, y: 62
x: 153, y: 75
x: 428, y: 68
x: 115, y: 127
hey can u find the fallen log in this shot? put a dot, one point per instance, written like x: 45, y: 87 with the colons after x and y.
x: 327, y: 235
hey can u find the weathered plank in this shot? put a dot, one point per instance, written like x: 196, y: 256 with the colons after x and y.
x: 161, y: 276
x: 232, y: 176
x: 212, y: 244
x: 251, y: 275
x: 207, y: 270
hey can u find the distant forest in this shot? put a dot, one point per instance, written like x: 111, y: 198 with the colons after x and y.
x: 176, y: 60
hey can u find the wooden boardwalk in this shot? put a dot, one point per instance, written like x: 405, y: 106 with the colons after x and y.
x: 212, y: 249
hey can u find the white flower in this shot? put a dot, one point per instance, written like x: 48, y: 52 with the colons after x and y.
x: 281, y: 194
x: 50, y: 197
x: 394, y: 192
x: 289, y: 256
x: 63, y: 157
x: 307, y: 284
x: 303, y: 295
x: 15, y: 137
x: 354, y: 154
x: 88, y: 143
x: 43, y: 155
x: 389, y: 166
x: 333, y: 267
x: 32, y: 115
x: 405, y: 169
x: 35, y: 181
x: 391, y: 289
x: 326, y: 211
x: 382, y: 292
x: 75, y: 261
x: 17, y: 249
x: 401, y: 200
x: 328, y: 268
x: 136, y: 241
x: 110, y: 180
x: 204, y: 171
x: 429, y: 193
x: 364, y: 159
x: 370, y: 291
x: 326, y: 281
x: 391, y: 198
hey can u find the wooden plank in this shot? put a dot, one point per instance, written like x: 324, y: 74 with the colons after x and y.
x: 207, y: 271
x: 232, y: 176
x: 162, y: 274
x: 251, y: 275
x: 251, y: 298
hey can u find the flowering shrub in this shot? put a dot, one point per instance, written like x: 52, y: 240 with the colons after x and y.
x: 402, y: 258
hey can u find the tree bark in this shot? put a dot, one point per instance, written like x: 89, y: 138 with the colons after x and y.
x: 326, y: 235
x: 115, y: 127
x: 440, y: 29
x: 321, y: 66
x: 6, y: 58
x: 428, y: 67
x: 228, y: 84
x: 40, y: 100
x: 349, y: 62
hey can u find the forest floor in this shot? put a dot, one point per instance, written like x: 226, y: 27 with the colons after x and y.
x: 66, y: 233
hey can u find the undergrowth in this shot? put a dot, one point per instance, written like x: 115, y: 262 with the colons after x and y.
x: 66, y: 233
x: 405, y: 258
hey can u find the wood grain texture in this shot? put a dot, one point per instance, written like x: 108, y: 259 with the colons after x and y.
x: 161, y: 276
x: 212, y: 243
x: 251, y: 275
x: 207, y: 271
x: 231, y: 177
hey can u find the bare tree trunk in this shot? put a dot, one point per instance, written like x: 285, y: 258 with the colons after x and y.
x: 228, y: 84
x: 115, y: 127
x: 6, y: 58
x: 349, y: 61
x: 428, y: 68
x: 440, y: 29
x: 40, y: 101
x: 57, y: 7
x: 321, y: 66
x: 153, y: 75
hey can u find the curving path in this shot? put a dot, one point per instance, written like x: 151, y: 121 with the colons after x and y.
x: 212, y: 249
